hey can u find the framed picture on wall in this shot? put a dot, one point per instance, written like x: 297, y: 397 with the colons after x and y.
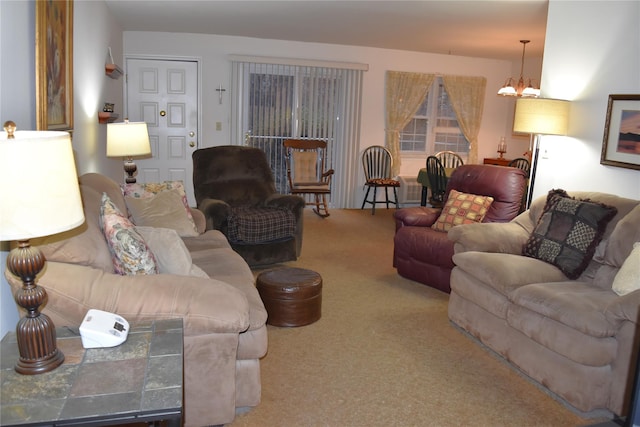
x: 54, y: 65
x: 621, y: 145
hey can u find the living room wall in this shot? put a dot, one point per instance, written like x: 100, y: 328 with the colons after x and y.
x: 214, y: 51
x: 594, y: 42
x: 94, y: 32
x: 592, y: 49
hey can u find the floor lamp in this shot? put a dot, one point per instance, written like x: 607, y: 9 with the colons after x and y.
x: 540, y: 116
x: 128, y: 139
x: 39, y: 196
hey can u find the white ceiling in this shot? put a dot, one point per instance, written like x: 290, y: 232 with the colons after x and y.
x: 478, y: 28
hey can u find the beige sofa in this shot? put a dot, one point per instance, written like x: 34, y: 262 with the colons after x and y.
x: 574, y: 337
x: 224, y: 318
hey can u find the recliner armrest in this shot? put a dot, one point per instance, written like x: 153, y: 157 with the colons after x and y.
x: 286, y: 201
x: 416, y: 217
x: 215, y: 211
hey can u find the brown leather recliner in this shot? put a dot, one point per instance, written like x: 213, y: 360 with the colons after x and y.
x: 423, y: 254
x: 235, y: 189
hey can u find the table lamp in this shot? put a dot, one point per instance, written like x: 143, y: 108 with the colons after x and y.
x: 128, y: 139
x: 540, y: 116
x: 39, y: 200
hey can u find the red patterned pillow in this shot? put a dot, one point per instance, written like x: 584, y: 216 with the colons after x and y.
x: 462, y: 208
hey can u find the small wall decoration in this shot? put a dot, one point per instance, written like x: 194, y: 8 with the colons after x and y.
x: 621, y: 145
x: 54, y: 64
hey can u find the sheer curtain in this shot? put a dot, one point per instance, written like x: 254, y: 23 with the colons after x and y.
x: 404, y: 94
x: 466, y: 95
x: 278, y: 98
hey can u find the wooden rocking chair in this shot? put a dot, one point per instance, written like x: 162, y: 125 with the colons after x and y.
x: 306, y: 172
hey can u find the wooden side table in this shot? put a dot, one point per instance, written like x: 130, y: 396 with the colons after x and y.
x: 140, y: 380
x: 497, y: 161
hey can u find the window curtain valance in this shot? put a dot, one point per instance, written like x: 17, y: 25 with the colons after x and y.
x: 406, y: 91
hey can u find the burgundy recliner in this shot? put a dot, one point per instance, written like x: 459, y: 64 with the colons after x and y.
x: 423, y: 254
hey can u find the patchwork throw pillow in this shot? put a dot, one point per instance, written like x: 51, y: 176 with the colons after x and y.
x: 627, y: 279
x: 150, y: 189
x: 462, y: 208
x: 568, y: 232
x: 164, y: 210
x: 130, y: 254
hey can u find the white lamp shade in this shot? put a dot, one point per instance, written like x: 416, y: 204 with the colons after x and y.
x: 39, y: 190
x: 127, y: 139
x: 541, y: 116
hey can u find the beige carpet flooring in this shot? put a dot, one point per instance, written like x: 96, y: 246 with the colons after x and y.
x: 384, y: 352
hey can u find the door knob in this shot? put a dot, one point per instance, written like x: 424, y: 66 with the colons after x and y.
x: 192, y: 144
x: 191, y: 134
x: 163, y: 113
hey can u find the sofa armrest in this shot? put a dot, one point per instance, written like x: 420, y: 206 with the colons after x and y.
x: 624, y: 308
x: 206, y: 305
x: 199, y: 219
x: 489, y: 237
x: 215, y: 212
x: 417, y: 216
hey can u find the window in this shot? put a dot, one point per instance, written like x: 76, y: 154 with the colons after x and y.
x: 434, y: 127
x: 275, y: 101
x: 285, y: 101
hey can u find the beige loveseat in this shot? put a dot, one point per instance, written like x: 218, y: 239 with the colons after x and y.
x: 575, y: 337
x: 224, y: 318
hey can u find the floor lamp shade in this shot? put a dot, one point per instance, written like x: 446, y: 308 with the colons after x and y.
x: 40, y: 196
x: 540, y: 116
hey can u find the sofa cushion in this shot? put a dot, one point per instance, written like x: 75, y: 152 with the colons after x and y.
x: 628, y: 277
x: 130, y: 253
x: 506, y: 272
x: 568, y: 232
x: 164, y: 210
x: 170, y: 252
x: 150, y: 189
x: 84, y: 245
x: 567, y: 317
x: 260, y: 225
x: 462, y: 208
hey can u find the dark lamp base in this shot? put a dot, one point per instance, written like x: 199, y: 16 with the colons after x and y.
x: 35, y: 333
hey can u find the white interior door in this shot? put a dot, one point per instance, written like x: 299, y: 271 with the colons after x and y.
x: 164, y: 94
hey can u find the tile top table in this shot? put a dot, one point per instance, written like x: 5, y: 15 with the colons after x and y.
x: 140, y: 380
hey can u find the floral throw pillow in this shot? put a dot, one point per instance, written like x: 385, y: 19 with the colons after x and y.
x: 462, y: 208
x: 151, y: 189
x: 568, y: 232
x: 129, y: 252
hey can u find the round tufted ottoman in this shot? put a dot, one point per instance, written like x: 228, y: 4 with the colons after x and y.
x: 292, y: 296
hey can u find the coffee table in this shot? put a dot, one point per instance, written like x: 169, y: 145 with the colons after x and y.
x: 140, y: 380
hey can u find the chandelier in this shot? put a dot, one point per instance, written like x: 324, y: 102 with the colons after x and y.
x: 520, y: 89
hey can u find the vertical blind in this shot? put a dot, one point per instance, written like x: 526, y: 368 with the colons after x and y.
x: 275, y: 99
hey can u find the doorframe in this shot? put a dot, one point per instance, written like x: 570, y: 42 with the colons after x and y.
x: 196, y: 59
